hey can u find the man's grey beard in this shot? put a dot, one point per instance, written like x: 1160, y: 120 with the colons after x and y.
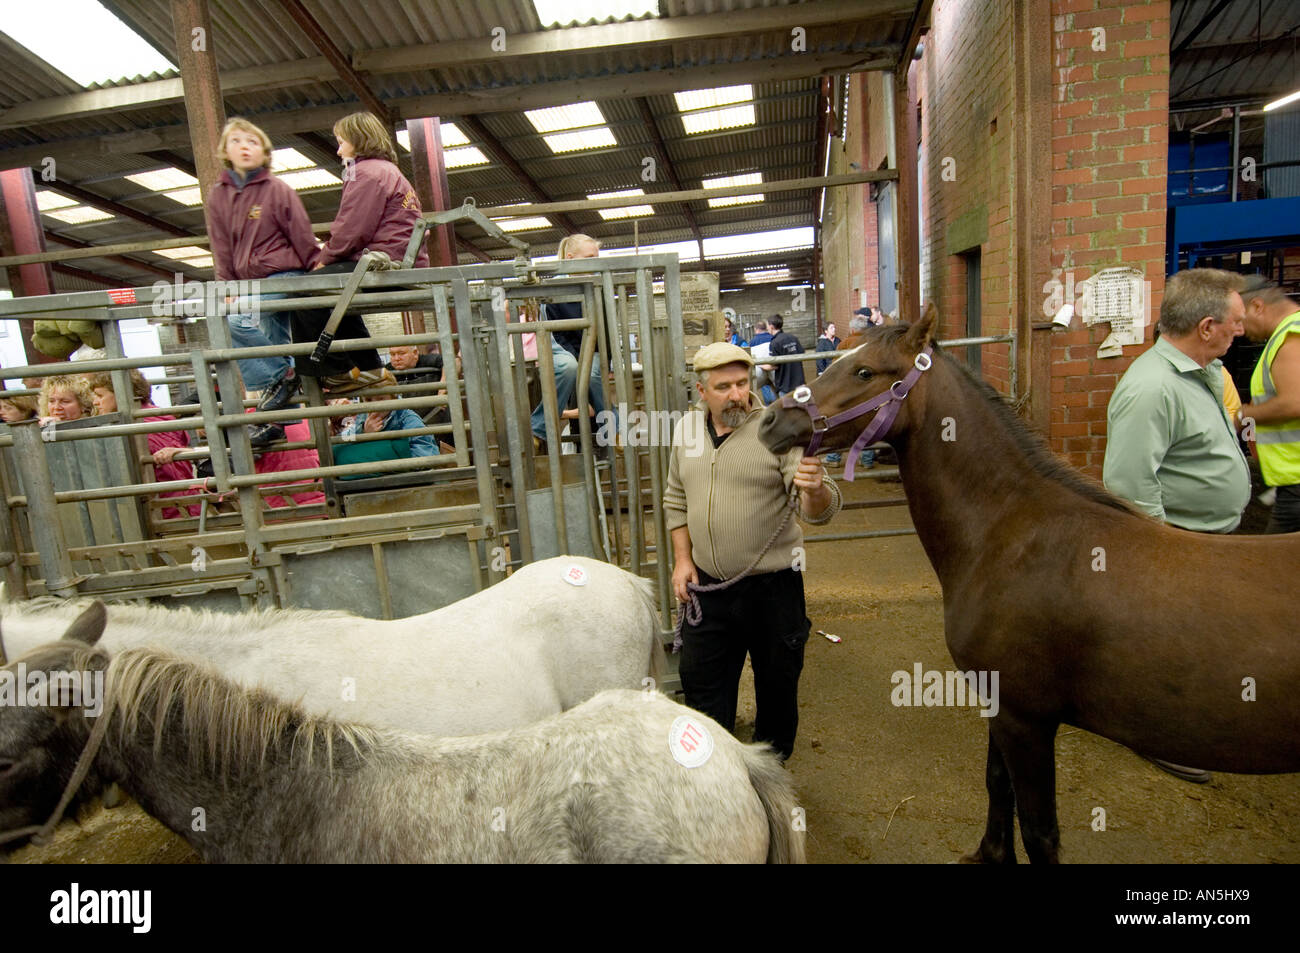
x: 733, y: 415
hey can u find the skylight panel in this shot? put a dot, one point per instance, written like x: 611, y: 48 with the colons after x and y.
x: 767, y: 274
x: 631, y: 211
x: 203, y: 262
x: 583, y: 139
x: 711, y: 120
x: 284, y: 160
x: 464, y: 156
x: 523, y: 224
x: 452, y: 136
x: 188, y: 197
x: 712, y: 98
x: 310, y: 179
x: 564, y: 12
x: 83, y: 40
x: 751, y: 178
x: 47, y: 201
x: 80, y: 215
x: 183, y: 252
x: 572, y: 116
x: 162, y: 180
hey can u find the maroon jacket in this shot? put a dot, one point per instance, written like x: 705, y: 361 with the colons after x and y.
x: 377, y: 212
x: 260, y: 229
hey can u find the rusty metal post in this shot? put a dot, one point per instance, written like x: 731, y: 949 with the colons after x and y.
x: 204, y: 111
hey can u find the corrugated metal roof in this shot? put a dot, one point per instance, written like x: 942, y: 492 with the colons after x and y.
x: 1249, y: 51
x: 249, y: 34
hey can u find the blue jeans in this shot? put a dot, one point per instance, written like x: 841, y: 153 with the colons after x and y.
x: 566, y: 380
x: 262, y: 330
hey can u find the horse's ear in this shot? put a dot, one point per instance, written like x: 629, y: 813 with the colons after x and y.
x: 922, y: 332
x: 88, y: 626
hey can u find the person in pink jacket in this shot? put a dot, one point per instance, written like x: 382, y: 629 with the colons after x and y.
x: 377, y: 212
x: 163, y: 446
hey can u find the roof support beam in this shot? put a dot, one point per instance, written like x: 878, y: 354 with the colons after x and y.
x: 120, y: 259
x: 1200, y: 27
x: 648, y: 118
x: 338, y: 59
x: 477, y: 131
x: 636, y: 34
x: 176, y: 160
x: 205, y: 113
x: 476, y: 102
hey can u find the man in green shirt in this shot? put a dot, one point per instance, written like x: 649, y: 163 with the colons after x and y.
x: 1170, y: 447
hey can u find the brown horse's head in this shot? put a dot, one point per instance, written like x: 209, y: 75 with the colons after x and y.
x: 885, y: 356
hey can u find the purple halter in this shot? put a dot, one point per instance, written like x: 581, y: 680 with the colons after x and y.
x: 886, y: 402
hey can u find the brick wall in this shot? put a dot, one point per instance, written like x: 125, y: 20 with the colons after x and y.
x: 1109, y: 162
x: 966, y: 97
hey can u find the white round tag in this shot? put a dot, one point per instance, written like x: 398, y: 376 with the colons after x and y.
x: 690, y: 742
x: 575, y: 576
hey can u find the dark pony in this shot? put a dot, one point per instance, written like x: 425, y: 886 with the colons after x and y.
x: 1179, y: 645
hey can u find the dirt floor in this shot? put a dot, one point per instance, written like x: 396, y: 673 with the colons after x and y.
x: 881, y: 784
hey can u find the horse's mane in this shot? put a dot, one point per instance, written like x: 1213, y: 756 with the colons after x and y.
x: 166, y: 620
x: 230, y: 728
x: 1032, y: 444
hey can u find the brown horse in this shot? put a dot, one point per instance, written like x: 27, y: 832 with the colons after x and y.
x: 1179, y: 645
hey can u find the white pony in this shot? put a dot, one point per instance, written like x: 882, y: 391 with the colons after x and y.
x: 547, y: 638
x: 625, y: 777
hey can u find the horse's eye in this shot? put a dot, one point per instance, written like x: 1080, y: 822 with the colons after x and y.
x: 6, y: 766
x: 866, y: 373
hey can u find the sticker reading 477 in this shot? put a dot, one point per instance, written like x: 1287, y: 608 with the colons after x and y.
x: 690, y: 742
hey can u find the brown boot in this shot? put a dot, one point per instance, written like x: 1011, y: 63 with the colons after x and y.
x: 358, y: 379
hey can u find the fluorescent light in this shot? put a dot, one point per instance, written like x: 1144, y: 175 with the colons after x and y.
x: 564, y: 12
x: 82, y: 39
x: 80, y: 215
x: 163, y: 179
x: 466, y: 155
x: 712, y: 98
x: 184, y: 251
x: 523, y: 224
x: 597, y: 138
x: 572, y: 116
x: 282, y: 160
x: 711, y: 120
x: 47, y: 201
x: 630, y: 211
x: 310, y: 179
x: 751, y: 178
x: 1279, y: 103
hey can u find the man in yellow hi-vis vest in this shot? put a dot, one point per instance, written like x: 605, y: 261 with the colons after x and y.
x: 1274, y: 408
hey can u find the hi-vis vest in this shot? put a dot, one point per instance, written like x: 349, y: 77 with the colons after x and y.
x: 1278, y: 443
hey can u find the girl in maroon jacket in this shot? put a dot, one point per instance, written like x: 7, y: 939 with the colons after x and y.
x: 377, y: 212
x: 259, y: 230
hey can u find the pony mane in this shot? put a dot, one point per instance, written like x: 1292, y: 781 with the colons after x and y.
x: 229, y: 727
x: 1033, y: 446
x: 166, y: 620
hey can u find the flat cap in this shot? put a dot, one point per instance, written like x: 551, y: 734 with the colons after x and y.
x: 1254, y: 284
x: 719, y: 353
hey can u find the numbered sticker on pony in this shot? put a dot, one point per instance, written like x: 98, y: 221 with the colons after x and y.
x: 690, y: 742
x: 575, y: 576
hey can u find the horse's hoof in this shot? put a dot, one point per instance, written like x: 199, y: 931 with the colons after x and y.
x: 113, y: 796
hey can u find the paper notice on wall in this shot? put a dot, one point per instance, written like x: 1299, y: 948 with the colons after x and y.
x: 1118, y: 297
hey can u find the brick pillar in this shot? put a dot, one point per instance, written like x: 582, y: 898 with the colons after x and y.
x: 1109, y: 165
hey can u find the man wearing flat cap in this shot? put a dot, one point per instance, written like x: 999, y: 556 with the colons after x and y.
x: 1273, y: 317
x: 726, y: 495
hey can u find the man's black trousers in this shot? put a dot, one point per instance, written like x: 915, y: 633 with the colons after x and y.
x: 762, y: 616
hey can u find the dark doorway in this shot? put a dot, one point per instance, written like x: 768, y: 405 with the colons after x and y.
x: 974, y: 322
